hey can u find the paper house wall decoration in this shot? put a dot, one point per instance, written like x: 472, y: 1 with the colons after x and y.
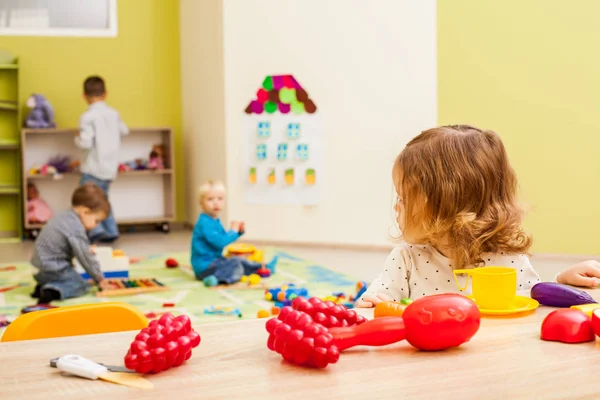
x: 283, y: 156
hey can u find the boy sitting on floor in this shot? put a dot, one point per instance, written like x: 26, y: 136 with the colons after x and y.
x: 210, y: 239
x: 64, y: 237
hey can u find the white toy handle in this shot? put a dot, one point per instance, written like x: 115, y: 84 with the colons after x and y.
x: 77, y: 365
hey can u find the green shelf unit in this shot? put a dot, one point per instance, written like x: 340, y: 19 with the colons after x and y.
x: 11, y: 188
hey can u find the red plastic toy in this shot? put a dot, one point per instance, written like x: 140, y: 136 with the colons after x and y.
x: 302, y: 341
x: 441, y: 321
x: 263, y: 272
x: 596, y: 321
x: 568, y: 325
x: 171, y: 263
x: 327, y: 313
x: 165, y: 343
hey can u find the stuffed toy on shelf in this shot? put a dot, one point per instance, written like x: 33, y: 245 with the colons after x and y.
x: 41, y: 114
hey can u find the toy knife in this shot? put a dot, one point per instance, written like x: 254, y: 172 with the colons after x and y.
x: 113, y: 368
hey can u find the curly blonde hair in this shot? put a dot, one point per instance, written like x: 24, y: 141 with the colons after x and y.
x: 458, y: 187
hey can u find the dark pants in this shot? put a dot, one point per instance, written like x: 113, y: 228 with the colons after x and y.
x: 107, y: 229
x: 230, y: 270
x: 67, y: 282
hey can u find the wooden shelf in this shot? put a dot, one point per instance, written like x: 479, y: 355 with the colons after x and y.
x: 127, y: 173
x: 73, y: 131
x: 9, y: 66
x: 7, y: 144
x: 9, y: 105
x: 9, y: 190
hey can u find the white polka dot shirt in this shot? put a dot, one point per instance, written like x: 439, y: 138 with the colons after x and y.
x: 413, y: 271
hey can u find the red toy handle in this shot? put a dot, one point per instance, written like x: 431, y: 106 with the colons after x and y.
x: 376, y: 332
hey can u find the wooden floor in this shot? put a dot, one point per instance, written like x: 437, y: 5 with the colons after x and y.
x: 362, y: 264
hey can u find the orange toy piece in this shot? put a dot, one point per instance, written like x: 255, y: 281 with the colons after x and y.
x: 85, y: 319
x: 389, y: 309
x: 262, y: 314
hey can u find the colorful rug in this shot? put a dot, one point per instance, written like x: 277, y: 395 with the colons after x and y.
x: 188, y: 295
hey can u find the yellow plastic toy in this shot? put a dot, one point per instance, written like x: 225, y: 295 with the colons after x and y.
x: 244, y: 250
x: 85, y: 319
x: 262, y: 314
x: 587, y: 308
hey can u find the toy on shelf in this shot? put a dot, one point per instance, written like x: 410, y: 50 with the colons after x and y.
x: 567, y: 326
x: 41, y: 114
x: 283, y: 295
x: 114, y: 263
x: 38, y: 211
x: 127, y: 287
x: 56, y: 166
x: 218, y: 310
x: 389, y: 309
x: 244, y: 250
x: 157, y: 157
x: 299, y: 340
x: 165, y: 343
x: 171, y: 263
x: 557, y: 295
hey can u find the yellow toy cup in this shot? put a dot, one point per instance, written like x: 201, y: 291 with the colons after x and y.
x: 494, y: 288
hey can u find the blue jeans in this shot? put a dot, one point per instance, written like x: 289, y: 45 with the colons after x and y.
x: 107, y: 229
x: 230, y: 270
x: 66, y: 281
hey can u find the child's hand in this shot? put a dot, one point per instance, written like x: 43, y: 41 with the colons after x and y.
x: 235, y: 226
x: 93, y: 249
x: 105, y: 284
x: 585, y: 274
x: 372, y: 301
x: 242, y: 227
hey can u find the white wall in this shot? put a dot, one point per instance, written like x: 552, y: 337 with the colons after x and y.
x: 370, y: 67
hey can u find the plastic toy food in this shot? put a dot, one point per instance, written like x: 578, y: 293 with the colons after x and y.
x: 165, y: 343
x: 596, y: 321
x: 301, y: 341
x: 327, y: 313
x: 567, y: 326
x: 441, y: 321
x: 389, y: 308
x: 557, y: 295
x: 171, y: 263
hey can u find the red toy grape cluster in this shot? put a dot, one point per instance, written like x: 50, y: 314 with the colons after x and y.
x: 327, y: 313
x: 165, y: 343
x: 300, y: 340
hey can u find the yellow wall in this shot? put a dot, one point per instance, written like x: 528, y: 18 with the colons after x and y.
x: 141, y: 67
x: 531, y: 71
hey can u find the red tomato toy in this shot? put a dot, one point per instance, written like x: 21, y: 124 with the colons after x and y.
x: 441, y: 321
x: 568, y: 325
x: 165, y: 343
x: 171, y: 263
x: 596, y: 321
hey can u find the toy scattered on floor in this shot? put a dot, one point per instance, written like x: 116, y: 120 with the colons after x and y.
x: 155, y: 314
x: 11, y: 287
x: 252, y: 279
x: 4, y: 320
x: 128, y: 287
x: 244, y: 250
x: 210, y: 281
x: 389, y: 309
x: 557, y: 295
x: 37, y: 307
x: 165, y: 343
x: 285, y: 294
x: 263, y: 314
x: 263, y: 272
x: 41, y: 114
x: 171, y: 263
x: 361, y: 288
x: 8, y: 268
x: 218, y: 310
x: 168, y: 305
x: 327, y: 313
x: 301, y: 341
x: 38, y: 211
x: 568, y: 326
x: 339, y: 298
x: 114, y: 263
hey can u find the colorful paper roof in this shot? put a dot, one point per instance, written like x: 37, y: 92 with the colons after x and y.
x: 281, y: 93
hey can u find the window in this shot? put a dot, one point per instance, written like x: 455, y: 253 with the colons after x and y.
x: 282, y: 149
x: 58, y: 18
x: 261, y: 151
x: 302, y: 152
x: 293, y: 130
x: 264, y: 130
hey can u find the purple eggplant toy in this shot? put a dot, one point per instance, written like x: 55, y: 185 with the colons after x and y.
x: 557, y: 295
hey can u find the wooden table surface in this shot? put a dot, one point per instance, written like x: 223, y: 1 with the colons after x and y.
x: 505, y: 360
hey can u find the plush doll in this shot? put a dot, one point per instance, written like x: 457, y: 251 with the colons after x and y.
x: 41, y: 114
x: 38, y: 211
x: 155, y: 161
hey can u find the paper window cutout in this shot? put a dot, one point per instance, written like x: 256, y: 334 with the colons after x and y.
x: 271, y: 176
x: 293, y: 130
x: 302, y: 152
x: 310, y: 176
x: 261, y: 151
x: 252, y: 176
x: 282, y: 150
x: 264, y: 129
